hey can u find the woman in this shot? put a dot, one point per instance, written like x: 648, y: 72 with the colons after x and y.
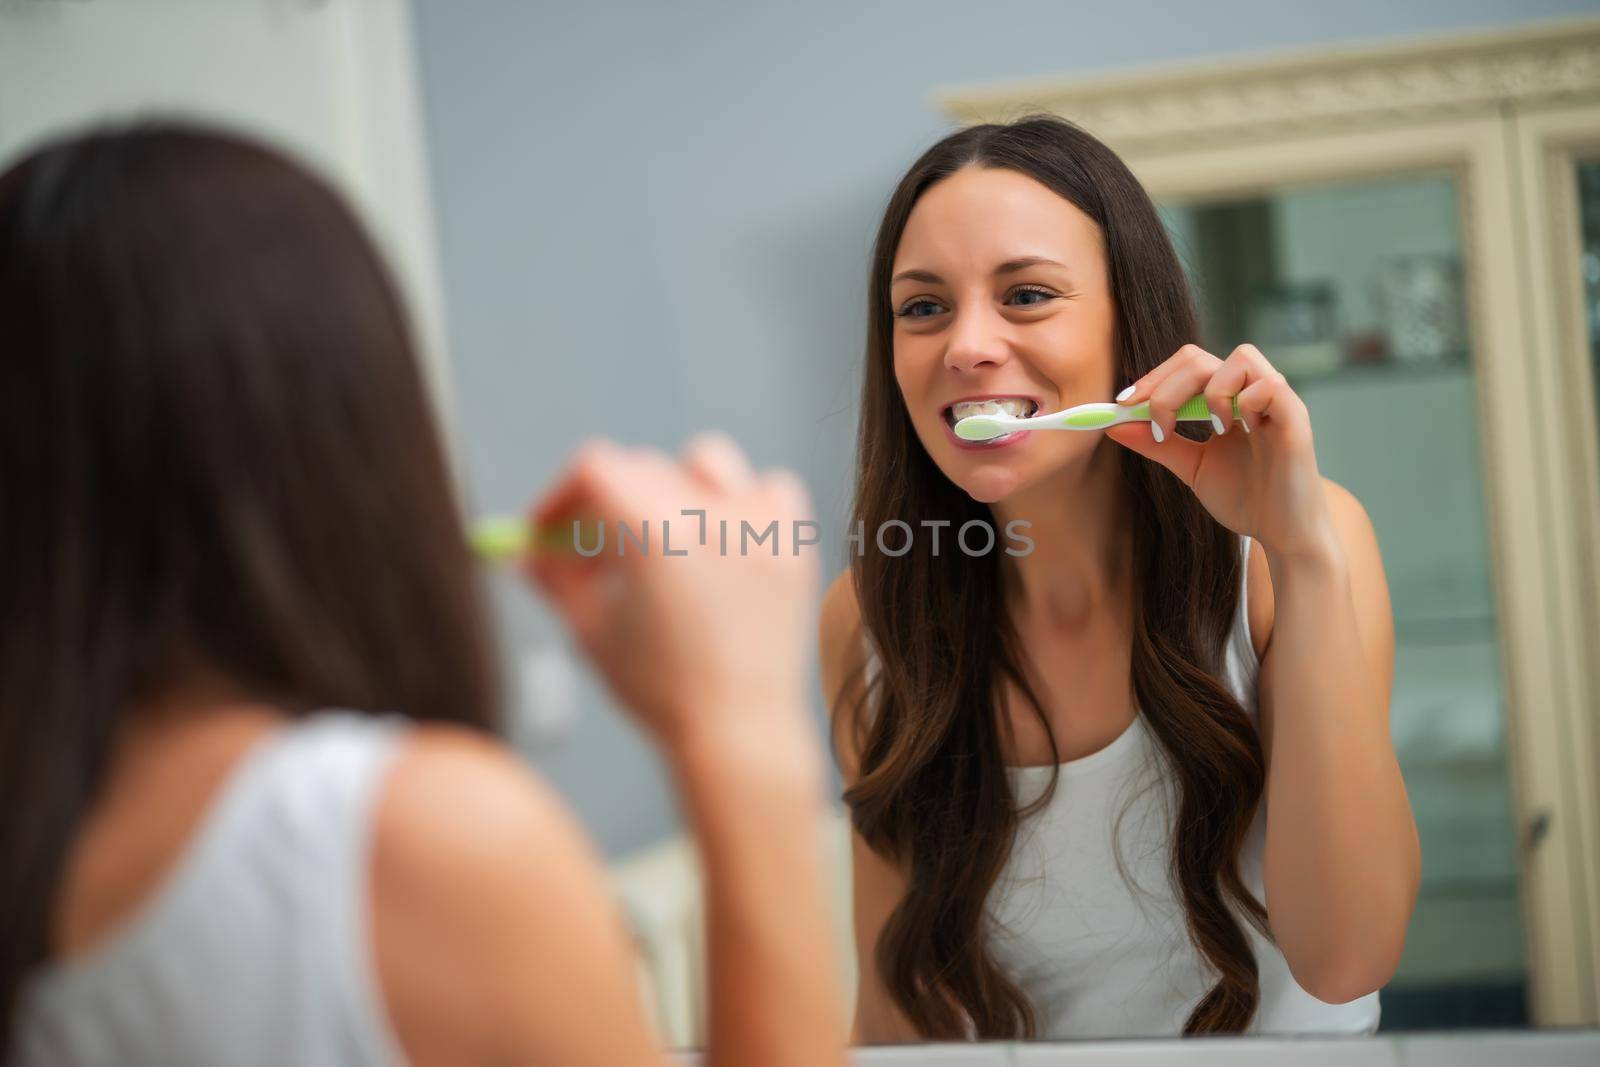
x: 1137, y: 780
x: 251, y: 806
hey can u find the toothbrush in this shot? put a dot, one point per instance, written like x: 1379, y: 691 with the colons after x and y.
x: 1081, y: 417
x: 496, y: 538
x: 502, y: 537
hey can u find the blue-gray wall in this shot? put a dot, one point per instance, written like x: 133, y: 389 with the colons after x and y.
x: 654, y: 217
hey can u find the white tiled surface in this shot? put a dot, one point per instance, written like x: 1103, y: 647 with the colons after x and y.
x: 1555, y: 1048
x: 1213, y: 1052
x: 985, y: 1055
x: 1550, y: 1049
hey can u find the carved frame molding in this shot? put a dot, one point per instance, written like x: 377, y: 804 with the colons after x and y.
x: 1308, y: 91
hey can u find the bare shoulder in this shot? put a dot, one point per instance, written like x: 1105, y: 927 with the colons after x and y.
x: 490, y: 910
x: 479, y: 775
x: 1360, y: 543
x: 459, y: 804
x: 842, y: 657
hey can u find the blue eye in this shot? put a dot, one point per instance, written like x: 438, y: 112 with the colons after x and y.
x: 921, y: 308
x: 1035, y: 297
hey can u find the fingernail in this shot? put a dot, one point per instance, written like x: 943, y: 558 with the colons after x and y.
x: 1218, y: 425
x: 1125, y: 394
x: 1246, y: 424
x: 1155, y: 431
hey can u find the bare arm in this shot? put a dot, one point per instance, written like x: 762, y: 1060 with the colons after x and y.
x: 709, y: 653
x: 496, y: 937
x: 877, y: 885
x: 498, y: 940
x: 755, y: 802
x: 1342, y: 860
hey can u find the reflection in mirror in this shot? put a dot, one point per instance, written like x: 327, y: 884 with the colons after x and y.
x: 1355, y: 293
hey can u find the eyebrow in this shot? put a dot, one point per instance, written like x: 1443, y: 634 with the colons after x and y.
x: 917, y: 276
x: 1010, y: 266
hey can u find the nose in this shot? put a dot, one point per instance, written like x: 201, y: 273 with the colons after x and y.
x: 977, y: 341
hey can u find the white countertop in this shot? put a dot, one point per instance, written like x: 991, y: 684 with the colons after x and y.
x: 1551, y: 1048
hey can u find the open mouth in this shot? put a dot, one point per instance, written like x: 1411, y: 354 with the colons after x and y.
x: 1017, y: 406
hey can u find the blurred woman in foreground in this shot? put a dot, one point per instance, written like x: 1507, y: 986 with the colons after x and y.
x: 252, y: 809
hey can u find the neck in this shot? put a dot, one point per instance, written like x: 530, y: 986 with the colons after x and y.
x: 1081, y: 562
x: 197, y: 701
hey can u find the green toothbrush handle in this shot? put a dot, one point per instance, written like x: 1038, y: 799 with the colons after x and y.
x: 506, y: 537
x: 1193, y: 410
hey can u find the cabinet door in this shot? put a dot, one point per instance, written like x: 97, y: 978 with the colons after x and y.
x: 1355, y: 291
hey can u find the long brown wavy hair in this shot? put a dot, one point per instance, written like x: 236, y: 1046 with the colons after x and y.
x: 216, y: 449
x: 932, y: 794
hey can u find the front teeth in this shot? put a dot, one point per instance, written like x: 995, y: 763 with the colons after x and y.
x: 1012, y: 406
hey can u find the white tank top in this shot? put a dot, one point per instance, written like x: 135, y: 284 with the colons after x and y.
x: 1085, y: 917
x: 256, y: 951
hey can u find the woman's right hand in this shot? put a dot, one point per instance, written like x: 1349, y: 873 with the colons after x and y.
x: 709, y: 650
x: 704, y: 644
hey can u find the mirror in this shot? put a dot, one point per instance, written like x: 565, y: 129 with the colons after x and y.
x: 1364, y: 253
x: 639, y: 221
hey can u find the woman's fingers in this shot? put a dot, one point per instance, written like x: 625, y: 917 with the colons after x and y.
x: 580, y: 594
x: 678, y: 621
x: 717, y: 463
x: 786, y: 493
x: 589, y: 490
x: 1244, y: 367
x: 588, y: 486
x: 1263, y: 399
x: 1167, y: 387
x: 1192, y: 371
